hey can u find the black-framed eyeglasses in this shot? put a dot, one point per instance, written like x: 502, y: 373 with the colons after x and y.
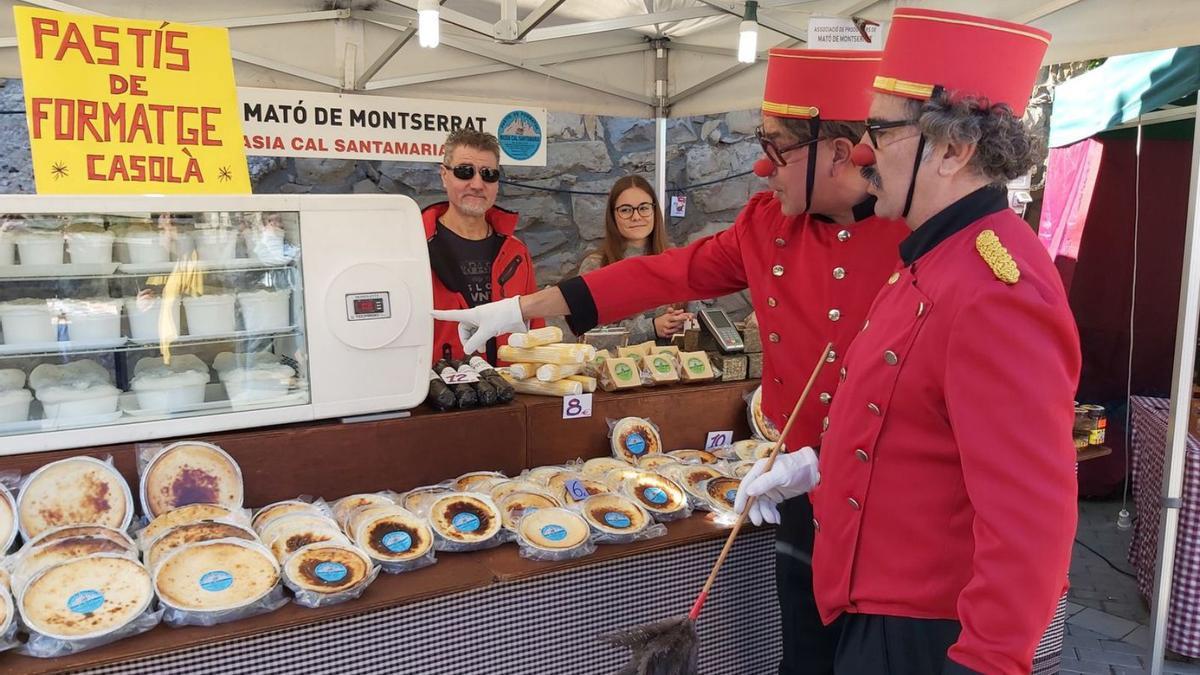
x: 625, y: 211
x: 467, y: 172
x: 873, y: 129
x: 774, y: 152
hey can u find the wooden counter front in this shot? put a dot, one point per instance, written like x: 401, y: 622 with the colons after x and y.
x: 684, y: 415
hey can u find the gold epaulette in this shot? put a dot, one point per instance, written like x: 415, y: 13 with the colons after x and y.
x: 997, y: 257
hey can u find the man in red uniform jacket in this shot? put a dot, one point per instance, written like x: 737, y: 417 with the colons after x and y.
x: 812, y: 256
x: 474, y: 255
x: 946, y: 503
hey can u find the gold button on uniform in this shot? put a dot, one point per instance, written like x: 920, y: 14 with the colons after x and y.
x: 894, y: 278
x: 777, y: 270
x: 780, y: 242
x: 844, y: 235
x: 853, y: 503
x: 842, y: 374
x: 773, y: 337
x: 920, y: 308
x: 890, y: 358
x: 862, y: 455
x: 832, y: 356
x: 866, y: 323
x: 771, y: 302
x: 825, y: 423
x: 839, y: 273
x: 825, y: 397
x: 816, y: 525
x: 874, y: 409
x: 835, y: 314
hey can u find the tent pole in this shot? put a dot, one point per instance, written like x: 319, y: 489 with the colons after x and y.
x: 1181, y: 396
x: 661, y: 111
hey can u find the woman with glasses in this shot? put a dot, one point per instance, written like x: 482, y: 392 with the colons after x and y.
x: 633, y: 226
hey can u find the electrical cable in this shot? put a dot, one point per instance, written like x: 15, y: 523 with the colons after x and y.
x: 1110, y: 563
x: 1137, y: 208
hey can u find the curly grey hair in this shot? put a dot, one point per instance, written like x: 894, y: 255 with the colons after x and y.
x: 1004, y: 147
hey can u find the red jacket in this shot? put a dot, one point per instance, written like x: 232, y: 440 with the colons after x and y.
x: 512, y: 274
x: 947, y: 486
x: 810, y: 282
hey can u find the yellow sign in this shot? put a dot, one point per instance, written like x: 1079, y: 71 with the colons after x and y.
x: 120, y: 106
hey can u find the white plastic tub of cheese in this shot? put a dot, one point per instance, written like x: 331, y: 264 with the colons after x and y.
x: 166, y: 390
x: 27, y: 321
x: 149, y: 317
x: 209, y: 314
x: 215, y: 244
x: 62, y: 403
x: 262, y: 383
x: 92, y: 319
x: 14, y: 405
x: 265, y: 310
x: 145, y: 245
x: 40, y: 247
x: 91, y: 245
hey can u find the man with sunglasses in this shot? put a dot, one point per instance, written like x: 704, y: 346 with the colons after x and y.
x: 812, y: 254
x: 472, y: 250
x: 946, y: 505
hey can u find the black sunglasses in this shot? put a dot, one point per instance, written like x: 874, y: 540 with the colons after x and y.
x: 774, y: 152
x: 873, y: 128
x: 467, y: 172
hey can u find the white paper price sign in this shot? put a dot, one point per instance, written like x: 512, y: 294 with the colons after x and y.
x: 460, y: 377
x: 577, y: 406
x: 718, y: 439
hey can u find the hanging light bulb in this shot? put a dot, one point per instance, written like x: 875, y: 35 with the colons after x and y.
x: 748, y: 34
x: 427, y: 23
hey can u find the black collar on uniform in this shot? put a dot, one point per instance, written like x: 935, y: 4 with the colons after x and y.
x: 982, y: 202
x: 861, y: 211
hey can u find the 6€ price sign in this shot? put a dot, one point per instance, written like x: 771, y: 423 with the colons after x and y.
x: 718, y: 439
x: 577, y: 406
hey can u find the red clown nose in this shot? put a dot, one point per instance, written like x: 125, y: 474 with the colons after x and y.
x: 764, y: 168
x: 862, y: 155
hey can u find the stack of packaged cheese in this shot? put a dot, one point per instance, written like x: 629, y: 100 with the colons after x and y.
x: 650, y: 364
x: 540, y: 363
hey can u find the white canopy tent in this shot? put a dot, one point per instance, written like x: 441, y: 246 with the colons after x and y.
x: 641, y: 58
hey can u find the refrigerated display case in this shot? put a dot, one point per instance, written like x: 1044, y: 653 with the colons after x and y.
x: 134, y: 318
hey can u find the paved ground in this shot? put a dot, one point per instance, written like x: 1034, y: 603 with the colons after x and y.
x: 1106, y: 630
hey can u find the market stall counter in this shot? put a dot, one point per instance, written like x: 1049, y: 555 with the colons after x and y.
x: 493, y: 610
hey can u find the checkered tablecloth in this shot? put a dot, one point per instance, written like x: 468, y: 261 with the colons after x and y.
x: 1150, y: 424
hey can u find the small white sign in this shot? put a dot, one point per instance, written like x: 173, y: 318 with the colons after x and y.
x: 460, y: 377
x: 576, y: 489
x: 577, y: 406
x: 718, y: 439
x: 678, y: 206
x: 839, y: 32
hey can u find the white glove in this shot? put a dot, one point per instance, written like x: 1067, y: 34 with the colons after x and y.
x: 794, y: 474
x: 479, y: 324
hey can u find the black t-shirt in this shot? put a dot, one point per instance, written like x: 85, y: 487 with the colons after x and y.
x: 474, y: 258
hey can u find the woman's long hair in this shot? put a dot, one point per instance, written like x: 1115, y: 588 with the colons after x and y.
x: 614, y: 244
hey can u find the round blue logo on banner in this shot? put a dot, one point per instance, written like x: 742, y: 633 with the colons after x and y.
x: 217, y: 580
x: 85, y: 602
x: 397, y: 542
x: 614, y: 519
x: 520, y: 135
x: 465, y: 522
x: 331, y: 571
x: 655, y: 495
x: 635, y: 443
x: 554, y: 532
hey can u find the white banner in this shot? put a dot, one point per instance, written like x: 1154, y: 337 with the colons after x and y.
x: 839, y: 32
x: 286, y: 123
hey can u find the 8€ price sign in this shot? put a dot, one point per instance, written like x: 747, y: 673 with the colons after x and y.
x: 577, y: 406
